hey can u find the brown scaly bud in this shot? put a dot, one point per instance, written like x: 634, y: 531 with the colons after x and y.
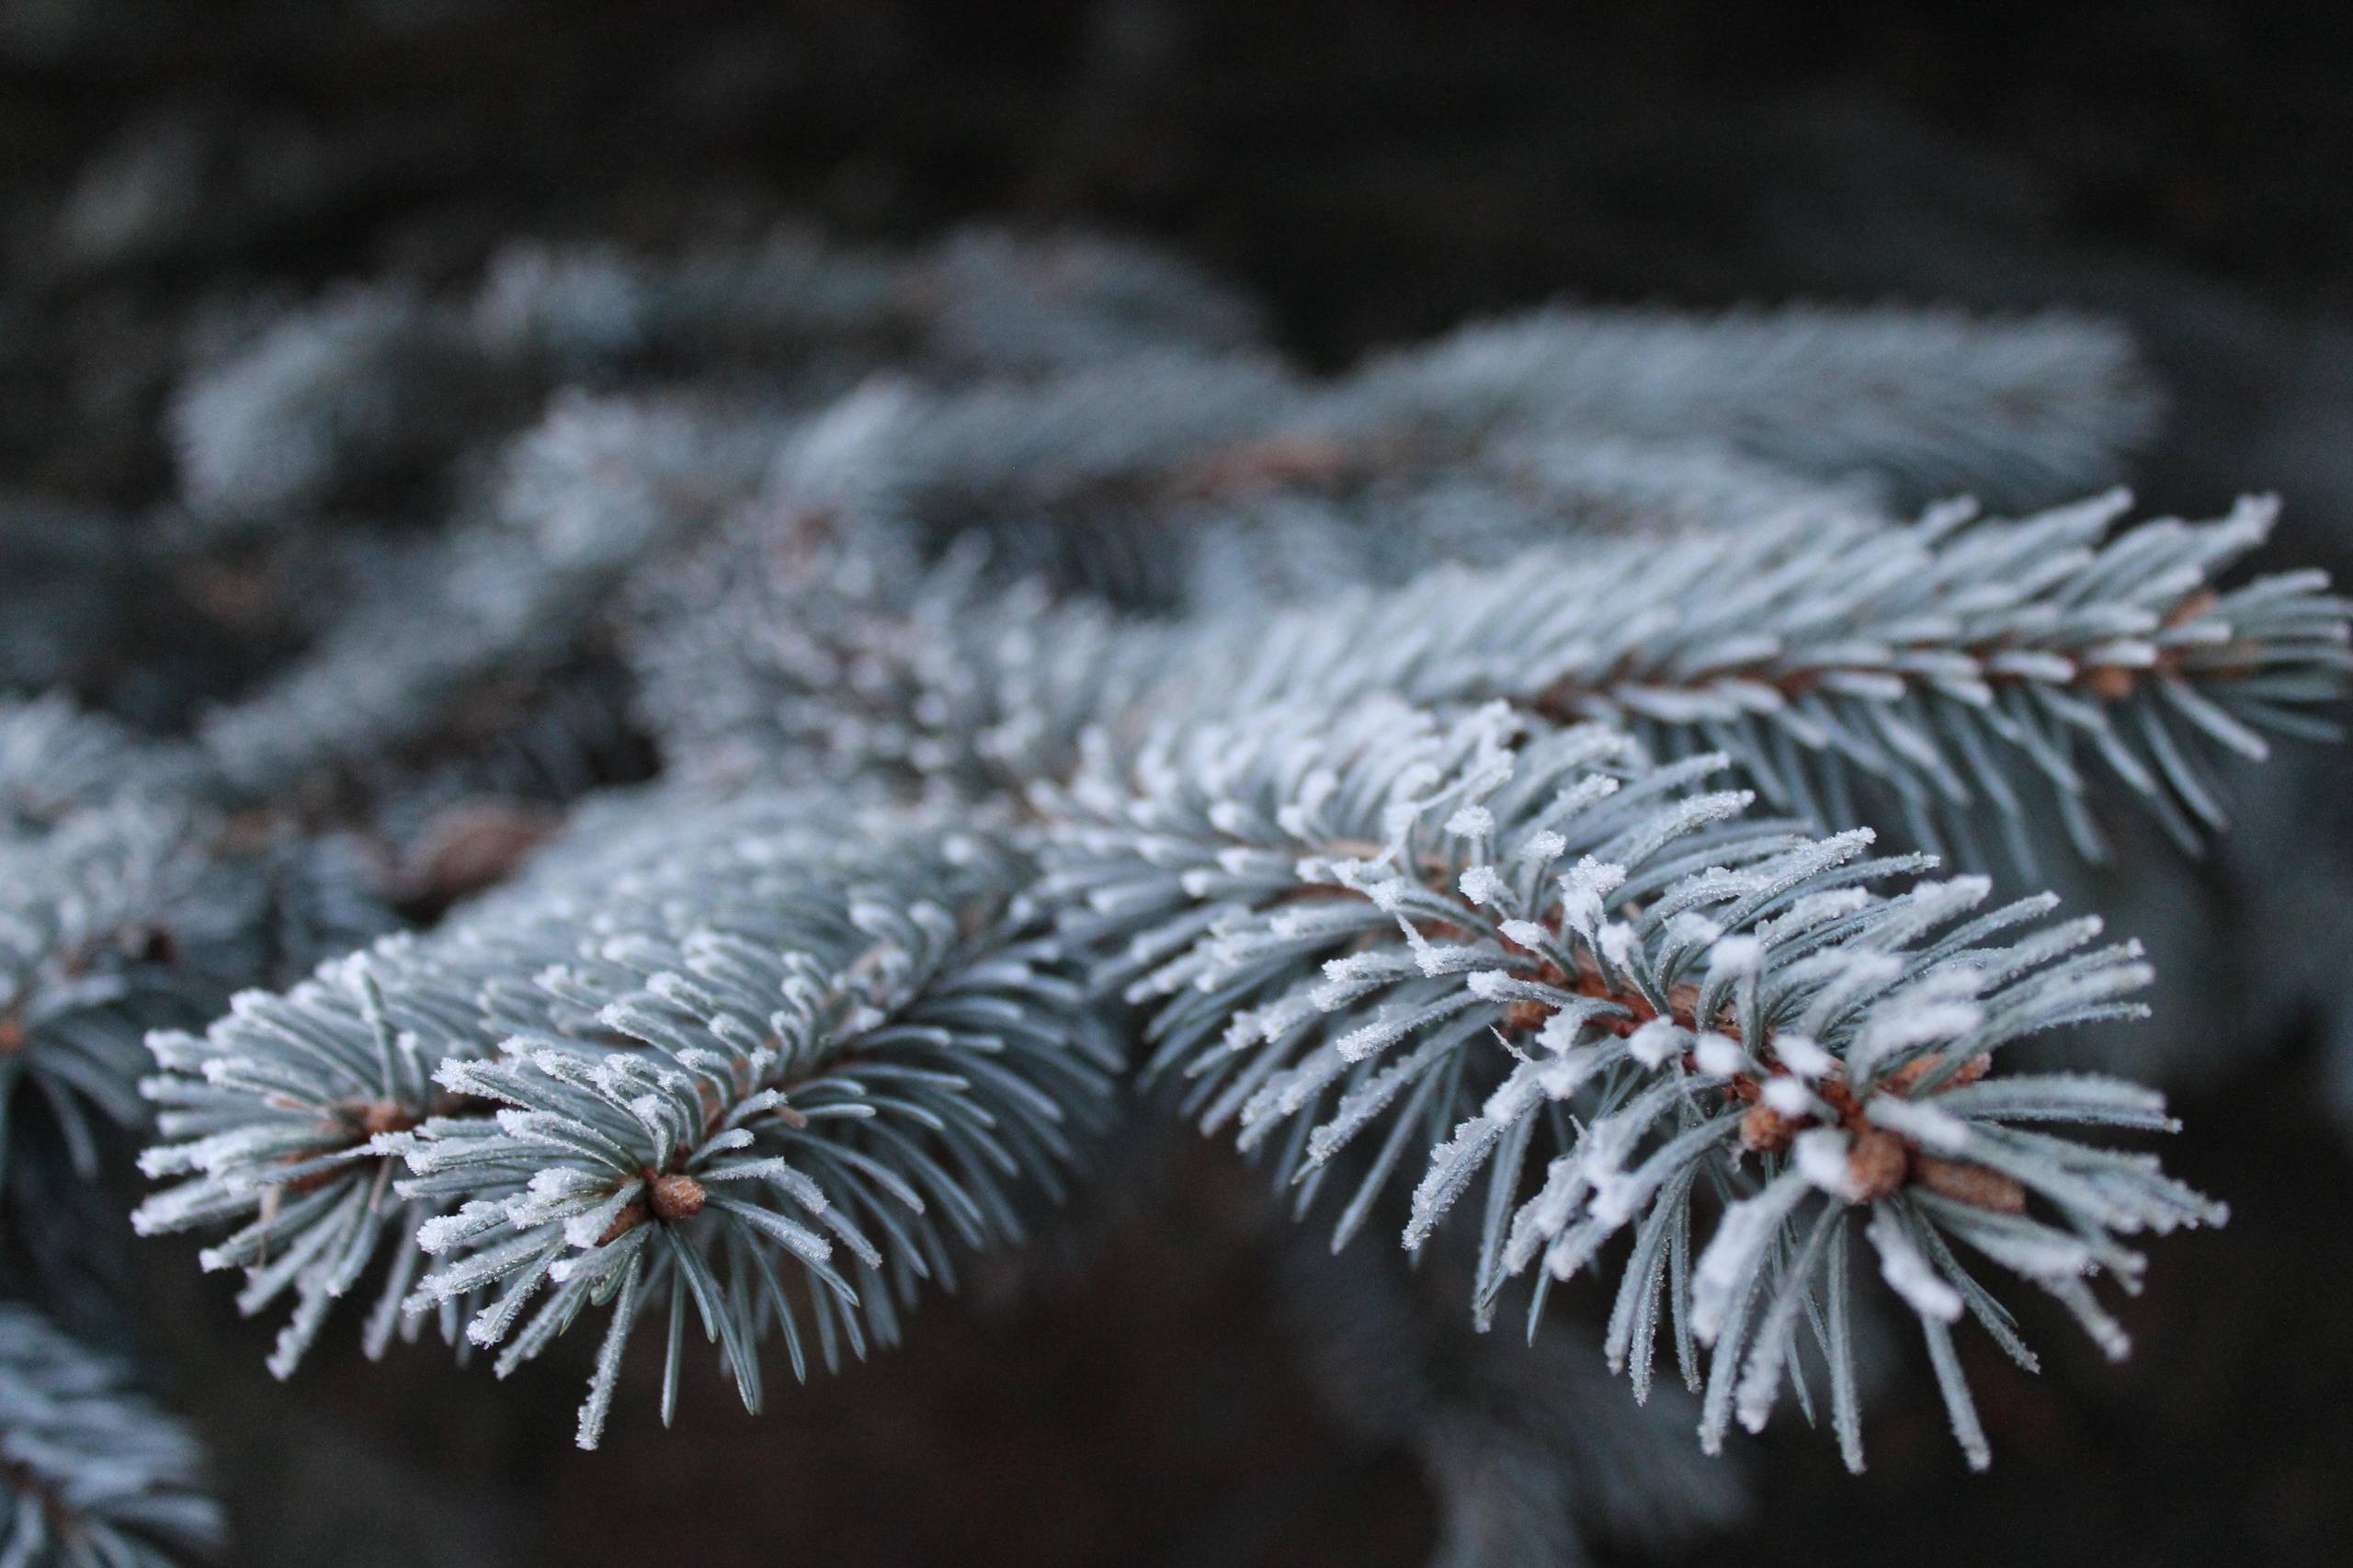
x: 1902, y: 1080
x: 382, y: 1116
x: 1524, y: 1017
x: 1972, y: 1185
x: 2193, y: 606
x: 1764, y: 1130
x: 675, y: 1197
x: 12, y: 1034
x: 1878, y: 1163
x: 2111, y: 683
x: 628, y: 1220
x: 304, y: 1186
x: 475, y: 844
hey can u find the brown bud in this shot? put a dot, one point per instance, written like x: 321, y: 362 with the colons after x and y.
x: 1524, y: 1017
x: 476, y: 843
x: 1972, y: 1185
x: 1764, y: 1130
x: 302, y: 1186
x: 2193, y: 606
x: 1840, y: 1099
x: 2110, y: 683
x: 11, y: 1033
x: 383, y: 1116
x: 628, y: 1220
x: 675, y: 1197
x: 1902, y: 1080
x: 1878, y: 1163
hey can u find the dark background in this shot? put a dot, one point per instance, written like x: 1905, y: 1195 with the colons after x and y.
x: 1370, y: 170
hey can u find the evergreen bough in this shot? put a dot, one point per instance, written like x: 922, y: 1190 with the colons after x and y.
x: 1569, y: 795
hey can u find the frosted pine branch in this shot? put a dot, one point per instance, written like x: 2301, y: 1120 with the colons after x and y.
x: 861, y: 1028
x: 382, y: 384
x: 1574, y: 976
x: 88, y: 910
x: 269, y: 1118
x: 1139, y: 480
x: 2022, y: 411
x: 1936, y: 680
x: 1903, y: 676
x: 92, y: 1470
x: 848, y: 1103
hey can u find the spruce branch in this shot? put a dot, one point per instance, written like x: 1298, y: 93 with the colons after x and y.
x: 513, y: 600
x: 866, y: 1007
x: 91, y: 1470
x: 374, y: 388
x: 126, y: 903
x: 854, y: 1105
x: 1921, y: 678
x: 268, y: 1116
x: 1548, y: 955
x: 57, y: 759
x: 1897, y: 676
x: 859, y: 668
x: 1174, y: 483
x: 86, y: 939
x: 1156, y: 480
x: 2022, y: 410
